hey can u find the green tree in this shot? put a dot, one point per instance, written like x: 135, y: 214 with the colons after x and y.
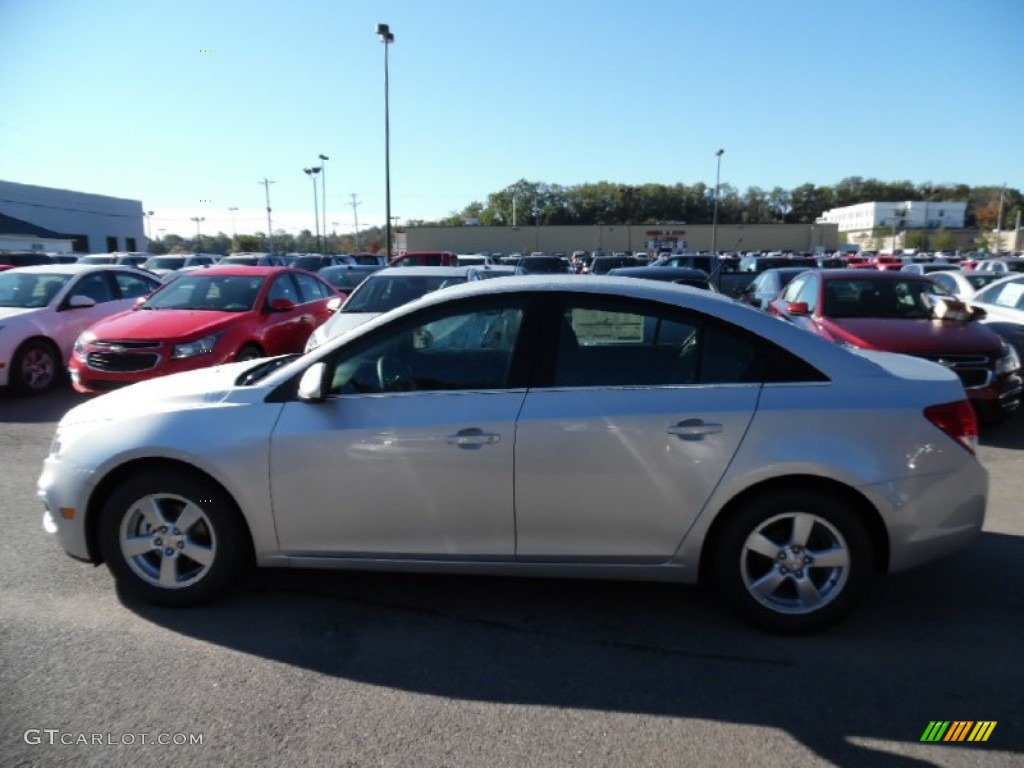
x: 247, y: 243
x: 943, y: 240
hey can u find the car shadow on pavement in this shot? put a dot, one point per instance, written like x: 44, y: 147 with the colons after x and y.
x: 938, y: 642
x: 1005, y: 434
x: 18, y: 409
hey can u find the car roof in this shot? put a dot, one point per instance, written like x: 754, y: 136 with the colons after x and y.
x: 75, y: 268
x: 867, y: 274
x: 422, y: 271
x: 242, y: 270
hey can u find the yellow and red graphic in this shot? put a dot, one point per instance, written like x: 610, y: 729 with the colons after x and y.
x: 958, y: 730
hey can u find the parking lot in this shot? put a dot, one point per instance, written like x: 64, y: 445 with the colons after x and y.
x: 374, y: 669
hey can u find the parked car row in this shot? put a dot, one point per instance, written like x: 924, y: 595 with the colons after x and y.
x: 113, y: 325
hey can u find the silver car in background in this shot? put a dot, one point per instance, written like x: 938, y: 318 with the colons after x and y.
x: 606, y: 427
x: 382, y: 291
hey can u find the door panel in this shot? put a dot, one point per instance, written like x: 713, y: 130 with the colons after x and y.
x: 404, y: 474
x: 622, y: 473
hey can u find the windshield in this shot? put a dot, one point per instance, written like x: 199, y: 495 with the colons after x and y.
x: 902, y: 299
x: 29, y: 291
x: 96, y: 260
x: 163, y: 262
x: 380, y: 294
x: 224, y: 293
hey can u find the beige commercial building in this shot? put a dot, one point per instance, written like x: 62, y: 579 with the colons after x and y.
x: 619, y: 237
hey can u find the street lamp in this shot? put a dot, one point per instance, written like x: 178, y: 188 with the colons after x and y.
x: 386, y: 37
x: 323, y: 196
x: 199, y: 242
x: 714, y: 219
x: 234, y: 230
x: 149, y: 223
x: 312, y: 172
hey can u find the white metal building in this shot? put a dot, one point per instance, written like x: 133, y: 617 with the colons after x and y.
x: 94, y: 223
x: 909, y: 214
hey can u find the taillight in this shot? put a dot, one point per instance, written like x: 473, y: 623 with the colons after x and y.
x: 958, y: 420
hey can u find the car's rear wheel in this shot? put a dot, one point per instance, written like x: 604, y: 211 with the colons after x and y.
x: 794, y: 561
x: 172, y: 537
x: 35, y: 367
x: 249, y: 352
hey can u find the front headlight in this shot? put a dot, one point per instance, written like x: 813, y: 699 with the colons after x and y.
x: 80, y: 343
x: 203, y: 346
x: 56, y: 446
x: 1009, y: 362
x: 315, y: 340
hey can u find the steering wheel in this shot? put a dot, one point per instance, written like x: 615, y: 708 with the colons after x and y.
x: 393, y: 375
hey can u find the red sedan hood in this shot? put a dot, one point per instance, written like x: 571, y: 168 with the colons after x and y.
x: 915, y: 337
x: 163, y: 324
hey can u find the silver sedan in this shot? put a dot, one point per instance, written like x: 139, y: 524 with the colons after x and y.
x: 608, y: 427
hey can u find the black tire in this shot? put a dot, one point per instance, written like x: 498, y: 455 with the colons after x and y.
x: 174, y: 564
x: 249, y: 352
x: 770, y: 561
x: 35, y: 367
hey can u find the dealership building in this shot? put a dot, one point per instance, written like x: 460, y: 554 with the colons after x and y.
x: 620, y: 237
x: 48, y: 219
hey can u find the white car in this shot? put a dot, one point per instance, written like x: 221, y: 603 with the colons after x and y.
x: 384, y: 290
x: 608, y: 427
x: 1003, y: 302
x: 1003, y: 266
x: 44, y: 309
x: 964, y: 283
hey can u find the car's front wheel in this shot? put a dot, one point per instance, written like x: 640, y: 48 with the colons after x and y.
x: 794, y: 561
x: 35, y: 367
x: 172, y: 537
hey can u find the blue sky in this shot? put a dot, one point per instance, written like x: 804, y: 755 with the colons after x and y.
x: 180, y: 102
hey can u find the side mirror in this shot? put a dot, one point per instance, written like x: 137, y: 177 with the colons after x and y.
x: 333, y: 305
x: 139, y: 302
x: 282, y: 305
x: 798, y: 308
x: 78, y: 301
x: 311, y: 385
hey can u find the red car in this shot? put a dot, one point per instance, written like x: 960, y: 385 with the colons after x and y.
x: 208, y: 317
x: 893, y: 312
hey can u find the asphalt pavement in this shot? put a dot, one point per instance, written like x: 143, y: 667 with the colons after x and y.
x: 357, y: 669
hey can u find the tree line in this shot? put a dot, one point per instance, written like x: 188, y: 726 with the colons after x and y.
x: 535, y: 203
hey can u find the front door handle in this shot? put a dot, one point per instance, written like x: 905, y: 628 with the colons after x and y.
x: 694, y: 428
x: 472, y: 439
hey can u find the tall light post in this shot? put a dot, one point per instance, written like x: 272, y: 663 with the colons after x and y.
x: 714, y: 218
x: 149, y: 224
x: 355, y: 214
x: 386, y: 37
x: 199, y: 242
x: 270, y: 232
x: 323, y: 196
x: 234, y: 229
x: 312, y: 172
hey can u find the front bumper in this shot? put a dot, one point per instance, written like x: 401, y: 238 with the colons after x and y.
x: 64, y: 492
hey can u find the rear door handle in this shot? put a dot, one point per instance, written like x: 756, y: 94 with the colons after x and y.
x: 694, y: 428
x: 472, y: 438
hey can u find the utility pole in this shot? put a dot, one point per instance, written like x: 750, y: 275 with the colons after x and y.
x: 270, y: 232
x: 999, y: 220
x: 355, y: 214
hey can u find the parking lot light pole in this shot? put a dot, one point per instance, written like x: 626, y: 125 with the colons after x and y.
x: 323, y: 196
x: 714, y: 218
x: 312, y: 172
x: 386, y: 37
